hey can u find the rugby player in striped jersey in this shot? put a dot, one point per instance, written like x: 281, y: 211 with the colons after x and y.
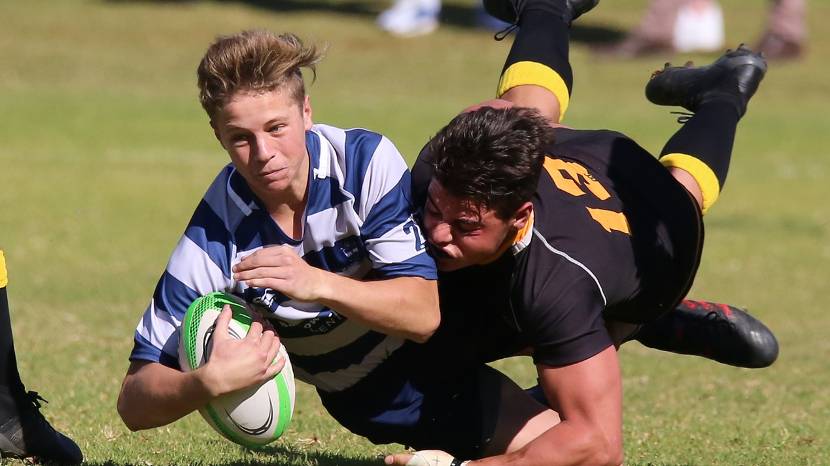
x: 311, y: 224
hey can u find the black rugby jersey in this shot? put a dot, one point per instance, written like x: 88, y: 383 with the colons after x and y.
x: 614, y: 237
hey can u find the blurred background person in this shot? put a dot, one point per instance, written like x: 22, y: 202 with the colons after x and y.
x: 411, y: 18
x: 24, y: 432
x: 786, y: 31
x: 687, y: 26
x: 672, y: 26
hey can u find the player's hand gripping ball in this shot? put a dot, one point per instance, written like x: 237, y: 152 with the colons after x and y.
x: 251, y: 417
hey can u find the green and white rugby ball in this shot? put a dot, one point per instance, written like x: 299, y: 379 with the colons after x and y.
x: 251, y: 417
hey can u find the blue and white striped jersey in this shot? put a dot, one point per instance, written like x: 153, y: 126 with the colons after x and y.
x: 358, y: 223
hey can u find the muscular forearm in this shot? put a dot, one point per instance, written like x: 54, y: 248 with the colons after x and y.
x: 567, y: 443
x: 588, y: 396
x: 404, y: 306
x: 154, y: 395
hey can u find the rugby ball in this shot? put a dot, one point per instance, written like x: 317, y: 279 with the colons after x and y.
x: 252, y: 417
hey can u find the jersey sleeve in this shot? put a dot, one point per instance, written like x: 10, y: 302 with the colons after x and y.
x: 198, y: 265
x: 390, y: 232
x: 564, y: 319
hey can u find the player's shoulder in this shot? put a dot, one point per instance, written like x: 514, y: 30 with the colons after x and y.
x: 354, y: 150
x: 587, y: 138
x: 602, y: 151
x: 351, y: 142
x: 227, y: 200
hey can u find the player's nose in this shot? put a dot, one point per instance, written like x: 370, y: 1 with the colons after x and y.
x: 440, y: 234
x: 264, y: 151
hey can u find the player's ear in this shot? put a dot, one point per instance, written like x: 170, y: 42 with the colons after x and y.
x: 216, y: 132
x: 523, y: 215
x: 307, y: 113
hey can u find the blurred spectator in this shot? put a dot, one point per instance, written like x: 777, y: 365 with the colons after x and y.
x: 697, y: 26
x: 410, y: 18
x: 786, y: 31
x: 673, y: 26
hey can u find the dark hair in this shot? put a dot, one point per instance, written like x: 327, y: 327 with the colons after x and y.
x: 492, y: 157
x: 253, y: 61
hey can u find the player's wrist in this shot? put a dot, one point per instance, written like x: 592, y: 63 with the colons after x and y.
x: 208, y: 381
x: 325, y: 287
x: 431, y: 458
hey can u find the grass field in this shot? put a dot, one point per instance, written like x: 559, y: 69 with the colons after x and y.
x: 104, y: 152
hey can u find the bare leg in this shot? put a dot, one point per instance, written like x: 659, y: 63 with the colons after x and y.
x: 537, y: 73
x: 537, y: 97
x: 520, y: 419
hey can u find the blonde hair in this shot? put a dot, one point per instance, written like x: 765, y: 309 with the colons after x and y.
x: 253, y: 61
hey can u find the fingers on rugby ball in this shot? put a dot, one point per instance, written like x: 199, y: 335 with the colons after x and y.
x: 251, y: 417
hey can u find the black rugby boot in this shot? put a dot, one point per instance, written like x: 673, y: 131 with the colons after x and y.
x: 27, y: 433
x: 734, y: 77
x: 715, y: 331
x: 510, y: 11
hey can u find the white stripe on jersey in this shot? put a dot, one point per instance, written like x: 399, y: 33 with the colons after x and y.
x: 573, y: 261
x: 381, y: 177
x: 395, y: 245
x: 190, y: 265
x: 341, y: 380
x: 315, y: 345
x: 157, y: 326
x: 217, y: 197
x: 325, y: 227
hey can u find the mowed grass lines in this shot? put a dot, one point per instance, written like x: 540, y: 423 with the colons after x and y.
x: 105, y: 153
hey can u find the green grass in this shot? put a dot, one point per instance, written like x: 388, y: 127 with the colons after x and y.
x: 105, y: 152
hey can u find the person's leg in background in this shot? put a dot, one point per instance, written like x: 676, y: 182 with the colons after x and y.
x: 786, y: 31
x: 24, y: 432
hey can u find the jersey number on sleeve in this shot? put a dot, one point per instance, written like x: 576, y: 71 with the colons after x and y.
x: 574, y: 179
x: 411, y: 227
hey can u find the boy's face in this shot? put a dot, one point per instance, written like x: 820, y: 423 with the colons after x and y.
x: 264, y: 134
x: 461, y: 234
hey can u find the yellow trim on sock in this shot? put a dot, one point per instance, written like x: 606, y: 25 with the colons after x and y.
x: 529, y: 72
x: 4, y: 277
x: 705, y: 177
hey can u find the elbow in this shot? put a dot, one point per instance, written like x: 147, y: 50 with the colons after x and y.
x: 429, y: 324
x: 609, y: 454
x: 125, y: 413
x: 602, y: 451
x: 429, y: 327
x: 130, y: 415
x: 429, y: 314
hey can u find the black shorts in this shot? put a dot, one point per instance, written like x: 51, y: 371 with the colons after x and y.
x: 445, y: 409
x: 677, y: 226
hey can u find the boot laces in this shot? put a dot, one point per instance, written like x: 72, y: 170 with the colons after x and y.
x: 501, y: 35
x: 35, y: 399
x: 683, y: 117
x: 517, y: 8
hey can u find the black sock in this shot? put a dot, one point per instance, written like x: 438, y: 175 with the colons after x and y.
x: 703, y: 147
x: 539, y: 54
x: 9, y: 377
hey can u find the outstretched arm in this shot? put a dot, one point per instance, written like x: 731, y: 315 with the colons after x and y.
x: 153, y: 394
x: 588, y: 396
x: 402, y: 306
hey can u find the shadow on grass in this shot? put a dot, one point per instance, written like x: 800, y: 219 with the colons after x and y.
x: 281, y: 456
x: 462, y: 16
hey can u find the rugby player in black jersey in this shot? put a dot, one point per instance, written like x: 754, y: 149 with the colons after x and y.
x: 561, y: 244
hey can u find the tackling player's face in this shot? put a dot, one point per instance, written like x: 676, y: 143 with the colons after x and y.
x: 461, y: 233
x: 264, y: 134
